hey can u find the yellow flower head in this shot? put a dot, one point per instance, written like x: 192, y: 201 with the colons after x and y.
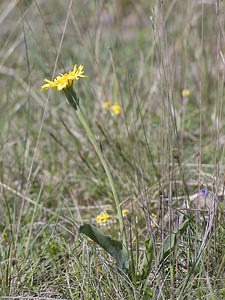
x: 63, y: 81
x: 125, y: 212
x: 185, y: 93
x: 153, y: 216
x: 102, y: 218
x: 106, y: 104
x: 116, y: 109
x: 154, y: 220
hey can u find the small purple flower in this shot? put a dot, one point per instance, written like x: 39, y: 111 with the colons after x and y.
x: 203, y: 192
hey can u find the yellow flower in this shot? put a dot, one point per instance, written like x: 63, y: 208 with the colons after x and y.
x: 63, y: 81
x: 125, y: 212
x: 154, y: 220
x: 185, y: 93
x: 153, y: 216
x: 102, y: 218
x: 106, y: 104
x: 98, y: 219
x: 105, y: 217
x: 116, y: 109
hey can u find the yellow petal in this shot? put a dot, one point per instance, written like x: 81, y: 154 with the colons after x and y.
x: 116, y: 109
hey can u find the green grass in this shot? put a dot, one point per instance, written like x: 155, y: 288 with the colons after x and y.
x: 160, y: 150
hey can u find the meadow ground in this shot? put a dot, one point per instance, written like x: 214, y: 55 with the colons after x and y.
x: 154, y: 101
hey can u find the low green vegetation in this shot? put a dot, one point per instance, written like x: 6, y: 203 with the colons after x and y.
x: 112, y: 185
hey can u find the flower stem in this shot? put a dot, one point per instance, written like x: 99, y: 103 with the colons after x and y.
x: 107, y: 171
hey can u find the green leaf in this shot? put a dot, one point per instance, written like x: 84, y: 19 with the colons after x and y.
x: 147, y: 293
x: 183, y: 226
x: 171, y: 241
x: 147, y: 260
x: 167, y: 247
x: 113, y: 247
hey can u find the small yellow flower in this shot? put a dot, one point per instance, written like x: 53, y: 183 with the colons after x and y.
x: 102, y: 218
x: 116, y: 109
x: 125, y: 212
x: 154, y: 220
x: 106, y: 104
x: 153, y: 216
x: 185, y: 93
x: 105, y: 217
x: 63, y: 81
x: 98, y: 219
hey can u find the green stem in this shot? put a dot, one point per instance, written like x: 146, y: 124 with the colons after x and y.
x: 107, y: 171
